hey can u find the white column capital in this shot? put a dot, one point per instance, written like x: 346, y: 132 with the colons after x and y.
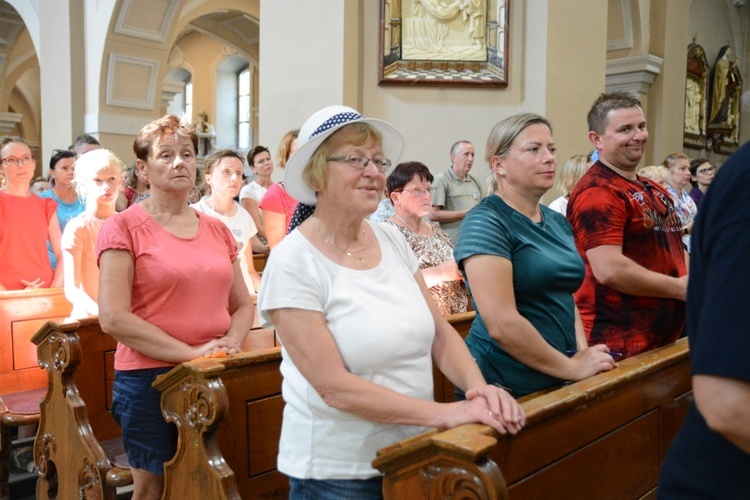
x: 8, y: 122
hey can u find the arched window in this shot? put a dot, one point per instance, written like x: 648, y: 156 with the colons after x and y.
x: 244, y: 108
x: 189, y: 101
x: 234, y: 95
x: 182, y: 103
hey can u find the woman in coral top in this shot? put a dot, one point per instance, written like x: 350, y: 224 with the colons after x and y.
x: 170, y: 290
x: 27, y: 221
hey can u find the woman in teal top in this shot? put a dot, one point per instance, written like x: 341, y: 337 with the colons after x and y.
x: 522, y: 267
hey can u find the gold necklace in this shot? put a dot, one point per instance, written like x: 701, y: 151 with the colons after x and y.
x: 409, y: 225
x: 360, y: 258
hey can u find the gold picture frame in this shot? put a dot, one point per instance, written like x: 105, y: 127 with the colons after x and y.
x: 463, y: 43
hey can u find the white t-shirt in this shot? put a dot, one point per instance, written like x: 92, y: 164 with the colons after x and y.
x: 560, y: 205
x: 384, y: 331
x: 242, y: 227
x: 253, y: 190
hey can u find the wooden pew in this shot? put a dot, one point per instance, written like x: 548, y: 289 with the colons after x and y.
x: 443, y: 388
x: 259, y: 259
x: 77, y: 446
x: 228, y: 415
x: 22, y: 312
x: 228, y: 412
x: 603, y: 437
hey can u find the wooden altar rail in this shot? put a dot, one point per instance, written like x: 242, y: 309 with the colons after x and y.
x: 228, y: 412
x: 603, y: 437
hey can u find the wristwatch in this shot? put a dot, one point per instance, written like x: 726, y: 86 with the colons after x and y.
x: 685, y: 230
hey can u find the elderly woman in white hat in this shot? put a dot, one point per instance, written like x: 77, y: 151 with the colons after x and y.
x: 358, y: 326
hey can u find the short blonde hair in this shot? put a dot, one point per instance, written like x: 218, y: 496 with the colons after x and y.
x: 356, y: 133
x: 88, y: 164
x: 570, y: 173
x: 655, y: 173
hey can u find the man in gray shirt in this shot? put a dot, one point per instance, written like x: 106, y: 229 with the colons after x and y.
x: 455, y: 191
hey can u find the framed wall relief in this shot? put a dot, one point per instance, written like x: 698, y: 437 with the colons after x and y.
x: 439, y: 43
x: 696, y: 98
x: 724, y: 108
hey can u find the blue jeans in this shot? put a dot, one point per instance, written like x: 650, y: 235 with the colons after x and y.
x: 148, y: 439
x: 336, y: 489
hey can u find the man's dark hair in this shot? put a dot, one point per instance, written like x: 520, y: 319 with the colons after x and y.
x: 597, y: 117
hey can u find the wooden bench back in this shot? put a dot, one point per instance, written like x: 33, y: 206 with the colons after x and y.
x: 603, y: 437
x: 79, y: 360
x: 442, y: 387
x: 22, y: 313
x: 228, y: 413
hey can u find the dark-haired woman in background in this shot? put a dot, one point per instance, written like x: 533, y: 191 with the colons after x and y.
x: 27, y: 223
x: 409, y: 188
x: 701, y: 175
x: 62, y: 170
x: 260, y: 162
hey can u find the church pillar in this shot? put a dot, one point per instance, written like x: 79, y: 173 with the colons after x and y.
x: 311, y: 55
x: 62, y: 68
x: 575, y: 72
x: 665, y: 114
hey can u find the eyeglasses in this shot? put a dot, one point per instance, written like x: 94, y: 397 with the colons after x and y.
x: 415, y: 191
x: 706, y: 171
x: 14, y: 162
x: 360, y: 162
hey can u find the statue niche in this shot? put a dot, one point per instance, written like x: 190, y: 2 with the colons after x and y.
x: 724, y: 116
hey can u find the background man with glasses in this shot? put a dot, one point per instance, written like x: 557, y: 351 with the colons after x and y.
x: 455, y: 191
x: 629, y: 236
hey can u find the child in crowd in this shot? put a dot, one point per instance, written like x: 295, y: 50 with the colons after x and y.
x: 98, y: 180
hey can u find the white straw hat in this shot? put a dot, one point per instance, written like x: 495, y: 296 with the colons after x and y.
x: 317, y: 129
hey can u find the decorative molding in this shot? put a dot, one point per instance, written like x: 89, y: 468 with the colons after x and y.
x: 117, y: 65
x: 107, y: 123
x: 238, y: 26
x: 633, y: 74
x: 131, y: 6
x: 176, y: 58
x: 626, y: 42
x: 9, y: 29
x: 169, y: 89
x: 8, y: 122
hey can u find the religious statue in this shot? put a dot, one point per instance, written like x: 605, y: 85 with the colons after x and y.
x: 723, y: 85
x: 692, y: 106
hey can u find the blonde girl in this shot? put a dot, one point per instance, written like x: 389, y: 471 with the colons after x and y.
x: 98, y: 180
